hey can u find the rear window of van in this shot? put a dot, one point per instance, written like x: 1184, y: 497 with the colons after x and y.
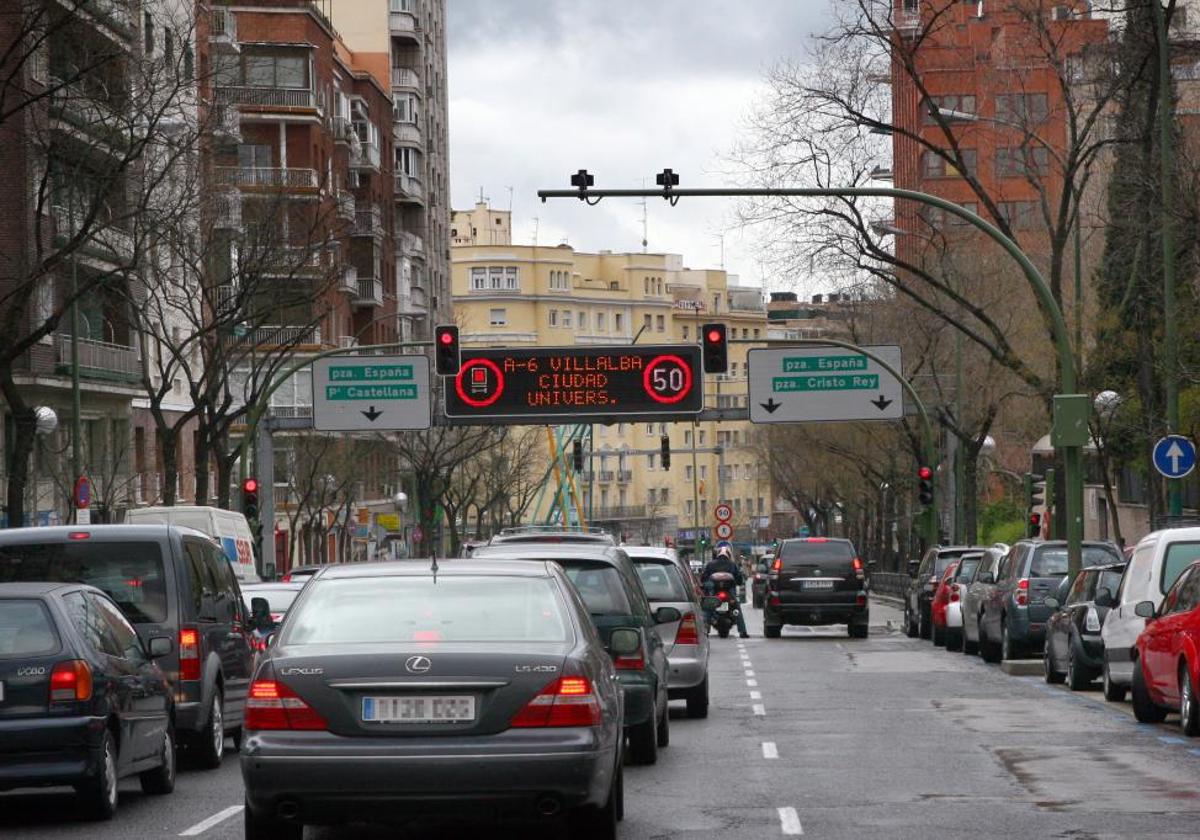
x: 1178, y: 557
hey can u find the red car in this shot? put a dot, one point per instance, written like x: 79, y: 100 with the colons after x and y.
x: 941, y: 598
x: 1167, y: 670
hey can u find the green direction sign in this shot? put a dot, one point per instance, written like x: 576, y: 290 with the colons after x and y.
x: 868, y: 382
x: 822, y: 384
x: 371, y: 393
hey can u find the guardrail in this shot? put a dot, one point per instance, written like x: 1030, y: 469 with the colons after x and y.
x: 893, y: 584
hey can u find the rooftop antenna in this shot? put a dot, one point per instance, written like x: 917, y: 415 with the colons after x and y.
x: 535, y: 231
x: 482, y: 198
x: 721, y: 241
x: 510, y: 195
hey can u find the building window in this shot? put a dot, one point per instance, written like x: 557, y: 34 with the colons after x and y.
x: 498, y: 317
x: 703, y: 467
x: 583, y: 321
x: 664, y: 495
x: 755, y: 332
x: 650, y: 461
x: 959, y: 103
x: 934, y: 165
x: 553, y: 315
x: 1019, y: 215
x: 478, y: 279
x: 687, y: 472
x: 254, y: 156
x: 1024, y: 109
x: 649, y: 428
x: 685, y: 332
x: 618, y: 323
x: 601, y: 322
x: 689, y: 508
x: 647, y: 321
x: 276, y: 71
x: 660, y: 323
x: 687, y: 440
x: 566, y: 318
x: 1022, y: 162
x: 760, y: 504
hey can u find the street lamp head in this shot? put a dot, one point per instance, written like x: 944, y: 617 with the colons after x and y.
x: 1107, y: 402
x: 46, y: 420
x: 989, y: 445
x: 582, y: 179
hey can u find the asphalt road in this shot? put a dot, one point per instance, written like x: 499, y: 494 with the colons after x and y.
x: 813, y: 734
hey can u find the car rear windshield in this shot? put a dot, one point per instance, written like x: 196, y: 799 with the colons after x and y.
x: 130, y: 572
x: 454, y: 608
x: 1179, y: 556
x: 828, y: 555
x: 26, y: 629
x: 966, y: 568
x: 279, y: 600
x: 661, y: 581
x: 1110, y: 579
x: 1051, y: 561
x: 600, y: 585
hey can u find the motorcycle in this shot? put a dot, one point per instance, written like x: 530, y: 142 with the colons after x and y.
x: 723, y: 606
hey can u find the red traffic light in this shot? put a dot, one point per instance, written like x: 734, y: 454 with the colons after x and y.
x: 714, y: 336
x: 924, y: 473
x: 250, y: 485
x: 1035, y: 519
x: 446, y: 337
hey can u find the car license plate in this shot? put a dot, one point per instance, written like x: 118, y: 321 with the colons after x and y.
x: 420, y: 709
x: 818, y: 584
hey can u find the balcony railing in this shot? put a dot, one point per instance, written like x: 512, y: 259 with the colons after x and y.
x: 624, y: 476
x: 296, y: 261
x: 406, y: 132
x: 620, y: 512
x: 607, y: 475
x: 368, y: 221
x: 364, y: 156
x: 227, y: 210
x: 341, y: 128
x: 346, y: 205
x: 102, y: 240
x: 402, y: 77
x: 98, y: 358
x: 227, y: 123
x: 114, y: 12
x: 262, y: 176
x: 281, y: 335
x: 266, y: 97
x: 223, y: 28
x: 349, y: 280
x: 292, y: 411
x: 408, y: 186
x: 410, y: 244
x: 403, y: 23
x: 370, y: 292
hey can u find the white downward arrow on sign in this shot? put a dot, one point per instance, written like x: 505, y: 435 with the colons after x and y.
x: 1174, y: 452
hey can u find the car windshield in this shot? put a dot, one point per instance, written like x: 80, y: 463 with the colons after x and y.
x: 1051, y: 561
x: 454, y: 608
x: 833, y: 555
x: 26, y: 628
x: 601, y: 587
x: 1179, y: 556
x: 661, y: 581
x: 279, y: 600
x: 130, y: 572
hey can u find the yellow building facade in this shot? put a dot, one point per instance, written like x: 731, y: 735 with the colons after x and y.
x: 549, y: 296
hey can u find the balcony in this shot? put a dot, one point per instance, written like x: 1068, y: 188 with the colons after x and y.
x: 98, y: 359
x: 263, y: 176
x: 222, y: 30
x: 403, y: 22
x: 408, y: 187
x: 349, y: 280
x: 267, y: 97
x: 418, y: 302
x: 227, y: 210
x: 407, y: 79
x: 607, y: 475
x: 370, y: 292
x: 282, y: 336
x: 346, y: 205
x: 410, y: 244
x: 342, y: 129
x: 80, y: 109
x: 115, y: 14
x: 368, y: 222
x: 364, y: 156
x: 226, y: 124
x: 296, y: 261
x: 620, y: 512
x: 907, y: 20
x: 406, y: 132
x: 103, y: 241
x: 624, y: 476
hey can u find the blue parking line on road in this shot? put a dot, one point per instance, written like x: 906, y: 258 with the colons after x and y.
x: 1171, y: 739
x: 1194, y: 752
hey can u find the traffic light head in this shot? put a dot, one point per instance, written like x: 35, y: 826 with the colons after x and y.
x: 716, y: 348
x: 925, y: 485
x: 447, y: 358
x: 666, y: 452
x: 1035, y: 524
x: 578, y: 456
x: 250, y: 499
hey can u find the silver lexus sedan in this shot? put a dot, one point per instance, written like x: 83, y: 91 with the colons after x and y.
x: 399, y: 689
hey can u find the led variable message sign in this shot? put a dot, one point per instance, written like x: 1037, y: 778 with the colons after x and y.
x: 574, y: 381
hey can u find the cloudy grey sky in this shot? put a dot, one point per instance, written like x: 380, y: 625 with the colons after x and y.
x: 623, y: 88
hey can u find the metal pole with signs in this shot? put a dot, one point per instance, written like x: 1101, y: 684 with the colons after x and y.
x: 371, y: 393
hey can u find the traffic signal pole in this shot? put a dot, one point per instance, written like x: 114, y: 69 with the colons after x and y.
x: 1070, y: 440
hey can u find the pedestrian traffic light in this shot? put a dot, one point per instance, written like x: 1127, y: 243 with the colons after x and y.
x: 666, y: 452
x: 925, y: 485
x: 250, y: 499
x: 578, y: 456
x: 447, y: 359
x: 1035, y: 524
x: 716, y: 348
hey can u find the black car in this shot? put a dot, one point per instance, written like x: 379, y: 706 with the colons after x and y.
x: 172, y: 584
x: 926, y: 575
x: 609, y: 584
x: 816, y: 580
x: 82, y: 702
x: 480, y: 688
x: 1074, y: 650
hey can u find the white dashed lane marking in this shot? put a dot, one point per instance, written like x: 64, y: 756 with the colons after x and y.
x: 755, y: 695
x: 749, y: 673
x: 205, y: 825
x: 789, y: 821
x: 760, y: 709
x: 752, y: 683
x: 770, y: 750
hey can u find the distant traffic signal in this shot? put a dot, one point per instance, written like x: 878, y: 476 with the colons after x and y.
x: 1035, y: 524
x: 250, y: 499
x: 447, y: 358
x: 578, y: 456
x: 925, y: 485
x: 1035, y: 490
x: 716, y: 348
x: 666, y: 452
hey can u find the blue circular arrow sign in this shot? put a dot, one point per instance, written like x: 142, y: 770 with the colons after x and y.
x: 1175, y: 456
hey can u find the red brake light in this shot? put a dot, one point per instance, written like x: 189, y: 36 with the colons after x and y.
x: 189, y: 653
x: 1023, y: 592
x: 78, y: 535
x: 723, y: 595
x: 687, y: 633
x: 71, y: 680
x: 567, y: 701
x: 816, y: 539
x: 860, y: 600
x: 777, y: 565
x: 273, y: 705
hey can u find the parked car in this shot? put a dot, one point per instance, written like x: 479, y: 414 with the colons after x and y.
x: 937, y: 607
x: 301, y: 573
x: 172, y: 584
x: 615, y: 598
x: 1015, y: 613
x: 978, y: 590
x: 1166, y: 670
x: 956, y: 590
x: 476, y: 684
x: 816, y: 581
x: 926, y: 575
x: 82, y: 702
x: 552, y: 534
x: 1074, y: 650
x: 758, y: 582
x: 669, y: 583
x: 1156, y: 563
x: 228, y: 527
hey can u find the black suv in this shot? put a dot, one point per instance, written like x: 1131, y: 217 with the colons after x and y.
x: 816, y: 580
x: 926, y: 575
x: 176, y: 587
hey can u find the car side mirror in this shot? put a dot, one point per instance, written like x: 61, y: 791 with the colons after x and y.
x: 1144, y: 609
x: 667, y: 615
x: 271, y: 639
x: 624, y: 641
x: 1104, y: 598
x: 160, y: 646
x: 259, y: 606
x: 1052, y: 603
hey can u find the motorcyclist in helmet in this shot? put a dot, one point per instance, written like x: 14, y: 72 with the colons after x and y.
x: 723, y: 562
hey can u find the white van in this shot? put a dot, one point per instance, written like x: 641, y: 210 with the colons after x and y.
x: 227, y: 527
x: 1157, y: 561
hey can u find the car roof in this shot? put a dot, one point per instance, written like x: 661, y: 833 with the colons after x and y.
x: 273, y: 584
x: 450, y: 568
x: 62, y: 533
x: 655, y: 551
x: 35, y: 588
x: 554, y: 551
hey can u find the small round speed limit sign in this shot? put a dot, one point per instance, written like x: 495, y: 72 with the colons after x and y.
x: 724, y: 531
x: 723, y: 512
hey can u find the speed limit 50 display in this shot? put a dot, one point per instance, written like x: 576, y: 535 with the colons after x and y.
x: 576, y: 382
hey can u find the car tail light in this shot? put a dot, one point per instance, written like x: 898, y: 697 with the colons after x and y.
x: 71, y: 680
x: 273, y: 705
x: 861, y: 599
x: 858, y: 568
x: 954, y: 594
x: 687, y: 633
x: 775, y: 602
x: 567, y: 701
x: 189, y: 653
x: 1091, y: 622
x: 723, y: 595
x: 777, y: 565
x: 79, y: 535
x: 286, y: 578
x: 1023, y: 592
